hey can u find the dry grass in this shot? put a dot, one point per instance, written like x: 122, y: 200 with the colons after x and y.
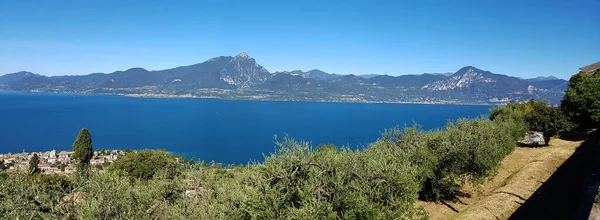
x: 519, y: 175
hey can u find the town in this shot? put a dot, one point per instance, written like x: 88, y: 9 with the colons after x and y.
x: 53, y: 162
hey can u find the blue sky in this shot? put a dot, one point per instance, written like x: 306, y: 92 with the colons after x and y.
x: 519, y: 38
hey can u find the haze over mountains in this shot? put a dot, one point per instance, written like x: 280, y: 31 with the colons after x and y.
x: 241, y: 77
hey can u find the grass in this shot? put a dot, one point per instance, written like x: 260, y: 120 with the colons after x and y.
x: 519, y: 175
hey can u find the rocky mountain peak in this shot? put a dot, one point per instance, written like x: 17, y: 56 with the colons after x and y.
x: 243, y: 71
x: 242, y: 55
x: 463, y: 78
x: 468, y: 69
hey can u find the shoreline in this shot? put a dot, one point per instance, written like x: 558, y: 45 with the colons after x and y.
x: 190, y: 96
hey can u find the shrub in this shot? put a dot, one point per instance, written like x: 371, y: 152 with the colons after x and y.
x: 331, y: 183
x: 111, y: 196
x: 145, y: 164
x: 537, y: 116
x: 463, y: 150
x: 547, y: 119
x: 24, y: 196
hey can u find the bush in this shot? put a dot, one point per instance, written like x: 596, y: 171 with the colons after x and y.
x: 328, y: 183
x: 25, y: 196
x: 145, y: 164
x: 464, y: 150
x: 537, y: 115
x: 111, y: 196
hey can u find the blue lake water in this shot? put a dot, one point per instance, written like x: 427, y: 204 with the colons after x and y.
x: 207, y: 129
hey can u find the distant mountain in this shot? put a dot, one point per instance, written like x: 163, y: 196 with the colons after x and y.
x: 542, y: 78
x: 470, y: 82
x: 14, y: 77
x: 471, y: 78
x: 241, y: 77
x: 443, y: 74
x: 368, y: 76
x: 287, y: 80
x: 313, y: 74
x: 405, y: 80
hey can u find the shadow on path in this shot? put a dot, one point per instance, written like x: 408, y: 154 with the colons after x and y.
x: 560, y: 197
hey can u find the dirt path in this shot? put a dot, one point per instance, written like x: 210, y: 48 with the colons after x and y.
x: 519, y: 176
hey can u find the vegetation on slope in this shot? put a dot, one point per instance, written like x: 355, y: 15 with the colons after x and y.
x: 537, y: 116
x: 297, y: 182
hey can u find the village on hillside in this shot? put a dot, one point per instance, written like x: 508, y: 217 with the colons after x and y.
x: 53, y: 162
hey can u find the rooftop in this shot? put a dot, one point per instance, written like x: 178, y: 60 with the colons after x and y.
x: 590, y: 69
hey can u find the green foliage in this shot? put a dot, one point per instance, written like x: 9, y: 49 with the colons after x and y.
x: 582, y: 100
x: 547, y: 119
x: 330, y: 183
x: 62, y: 166
x: 104, y: 152
x: 145, y: 164
x: 33, y: 197
x: 512, y: 111
x: 83, y: 151
x: 597, y: 199
x: 33, y: 165
x: 111, y: 196
x: 463, y: 150
x: 537, y: 115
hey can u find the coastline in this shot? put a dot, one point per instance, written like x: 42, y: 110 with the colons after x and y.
x: 250, y: 98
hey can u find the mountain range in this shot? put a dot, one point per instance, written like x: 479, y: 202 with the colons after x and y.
x: 241, y: 77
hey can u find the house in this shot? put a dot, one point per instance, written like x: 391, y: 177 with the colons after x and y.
x: 591, y: 69
x: 44, y: 166
x: 98, y: 160
x: 64, y: 156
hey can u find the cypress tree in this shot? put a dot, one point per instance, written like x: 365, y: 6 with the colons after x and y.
x: 33, y: 165
x: 83, y: 151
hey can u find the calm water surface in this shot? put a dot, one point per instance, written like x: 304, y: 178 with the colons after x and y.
x: 206, y: 129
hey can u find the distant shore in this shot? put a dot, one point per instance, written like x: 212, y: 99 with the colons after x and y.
x: 261, y: 98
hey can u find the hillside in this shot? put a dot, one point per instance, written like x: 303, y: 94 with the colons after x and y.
x: 519, y: 176
x: 241, y: 77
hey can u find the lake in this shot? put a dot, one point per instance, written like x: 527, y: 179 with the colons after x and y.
x: 207, y: 129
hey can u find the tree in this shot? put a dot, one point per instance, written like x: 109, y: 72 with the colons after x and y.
x: 33, y: 165
x: 537, y: 115
x: 104, y: 152
x: 83, y: 151
x: 547, y: 119
x: 582, y: 100
x: 62, y: 167
x: 145, y: 163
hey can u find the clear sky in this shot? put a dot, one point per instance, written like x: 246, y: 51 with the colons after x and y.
x: 520, y: 38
